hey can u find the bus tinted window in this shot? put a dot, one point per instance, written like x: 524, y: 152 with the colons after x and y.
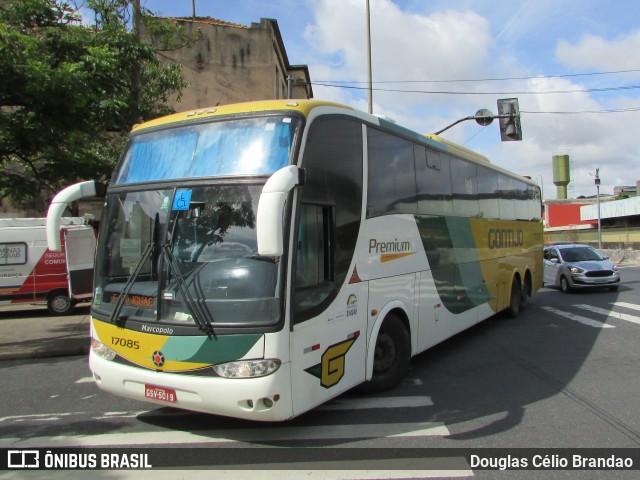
x: 329, y: 212
x: 464, y: 188
x: 251, y: 146
x: 433, y: 182
x: 392, y: 179
x: 488, y: 193
x: 506, y: 197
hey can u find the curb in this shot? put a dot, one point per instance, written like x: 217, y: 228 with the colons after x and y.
x: 55, y: 353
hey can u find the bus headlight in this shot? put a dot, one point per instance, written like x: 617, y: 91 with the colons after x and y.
x: 247, y: 368
x: 102, y: 350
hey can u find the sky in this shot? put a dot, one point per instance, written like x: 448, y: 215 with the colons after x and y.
x: 574, y: 66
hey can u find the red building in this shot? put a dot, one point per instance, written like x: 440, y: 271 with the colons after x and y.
x: 565, y: 214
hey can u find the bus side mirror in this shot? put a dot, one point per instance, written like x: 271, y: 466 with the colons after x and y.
x: 270, y: 216
x: 60, y: 202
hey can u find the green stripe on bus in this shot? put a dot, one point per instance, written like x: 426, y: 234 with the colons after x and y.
x: 457, y: 275
x: 201, y: 349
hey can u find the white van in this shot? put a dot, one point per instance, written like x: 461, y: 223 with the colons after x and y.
x: 31, y: 273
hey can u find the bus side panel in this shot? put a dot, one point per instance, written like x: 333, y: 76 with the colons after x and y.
x: 328, y: 352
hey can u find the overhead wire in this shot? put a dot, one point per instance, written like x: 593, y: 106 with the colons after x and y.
x: 498, y: 79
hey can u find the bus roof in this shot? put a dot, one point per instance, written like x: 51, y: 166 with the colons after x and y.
x: 302, y: 106
x: 305, y: 107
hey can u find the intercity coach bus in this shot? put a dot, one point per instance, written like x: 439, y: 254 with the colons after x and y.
x: 256, y: 260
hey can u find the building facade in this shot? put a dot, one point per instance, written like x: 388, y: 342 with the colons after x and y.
x: 230, y: 63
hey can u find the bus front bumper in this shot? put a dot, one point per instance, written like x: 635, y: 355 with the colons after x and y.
x: 263, y: 399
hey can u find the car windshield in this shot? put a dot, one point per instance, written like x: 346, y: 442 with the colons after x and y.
x: 580, y: 254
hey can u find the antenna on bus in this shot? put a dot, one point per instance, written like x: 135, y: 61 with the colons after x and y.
x: 508, y: 115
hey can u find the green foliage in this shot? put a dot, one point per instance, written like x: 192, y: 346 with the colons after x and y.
x: 67, y: 98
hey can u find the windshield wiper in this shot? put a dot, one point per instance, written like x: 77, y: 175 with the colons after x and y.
x: 201, y: 316
x: 127, y: 288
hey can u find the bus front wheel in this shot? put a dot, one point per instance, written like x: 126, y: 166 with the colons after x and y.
x: 391, y: 357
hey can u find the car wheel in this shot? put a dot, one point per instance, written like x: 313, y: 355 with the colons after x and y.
x: 564, y: 284
x: 59, y: 303
x: 391, y: 358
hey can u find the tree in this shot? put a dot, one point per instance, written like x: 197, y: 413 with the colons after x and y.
x: 66, y: 96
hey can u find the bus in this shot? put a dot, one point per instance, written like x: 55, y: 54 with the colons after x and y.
x: 256, y: 260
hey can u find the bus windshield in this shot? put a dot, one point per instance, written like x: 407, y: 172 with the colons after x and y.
x: 186, y: 256
x: 246, y: 146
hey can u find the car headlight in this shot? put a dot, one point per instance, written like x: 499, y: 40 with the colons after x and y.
x: 615, y: 268
x: 247, y: 368
x: 576, y: 270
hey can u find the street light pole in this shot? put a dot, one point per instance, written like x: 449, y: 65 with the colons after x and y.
x: 597, y: 180
x: 370, y: 80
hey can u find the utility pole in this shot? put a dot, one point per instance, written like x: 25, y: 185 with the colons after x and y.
x: 136, y: 84
x: 597, y: 180
x: 370, y: 79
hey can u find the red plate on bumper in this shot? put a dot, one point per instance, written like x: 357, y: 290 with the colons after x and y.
x: 160, y: 393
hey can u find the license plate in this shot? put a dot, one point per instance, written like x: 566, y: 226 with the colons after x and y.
x: 160, y: 393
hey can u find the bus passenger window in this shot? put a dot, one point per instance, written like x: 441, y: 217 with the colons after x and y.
x: 314, y: 276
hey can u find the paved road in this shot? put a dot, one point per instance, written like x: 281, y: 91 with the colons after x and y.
x: 562, y: 375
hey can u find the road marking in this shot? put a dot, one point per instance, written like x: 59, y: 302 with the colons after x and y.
x: 376, y: 402
x: 610, y: 313
x: 37, y: 416
x: 578, y: 318
x: 295, y: 471
x: 631, y: 306
x: 85, y: 380
x: 108, y: 415
x: 246, y: 435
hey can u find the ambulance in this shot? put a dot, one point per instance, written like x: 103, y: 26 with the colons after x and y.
x: 30, y: 273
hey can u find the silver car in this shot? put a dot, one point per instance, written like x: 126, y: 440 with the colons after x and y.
x: 578, y: 266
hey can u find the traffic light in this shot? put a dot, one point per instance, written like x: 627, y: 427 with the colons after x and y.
x: 509, y: 116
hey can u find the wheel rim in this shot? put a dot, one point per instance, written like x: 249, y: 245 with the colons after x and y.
x: 564, y: 285
x: 60, y: 304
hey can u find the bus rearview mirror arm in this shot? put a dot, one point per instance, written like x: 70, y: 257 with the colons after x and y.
x: 270, y: 216
x: 59, y: 203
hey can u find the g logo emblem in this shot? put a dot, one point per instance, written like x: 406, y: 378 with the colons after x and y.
x: 332, y: 364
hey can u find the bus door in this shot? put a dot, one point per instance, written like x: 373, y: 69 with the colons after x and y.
x: 80, y: 246
x: 328, y: 315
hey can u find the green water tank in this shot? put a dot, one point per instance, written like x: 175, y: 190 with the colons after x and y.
x: 561, y: 174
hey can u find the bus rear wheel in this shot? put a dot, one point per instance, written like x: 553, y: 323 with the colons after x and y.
x: 391, y: 358
x: 515, y: 304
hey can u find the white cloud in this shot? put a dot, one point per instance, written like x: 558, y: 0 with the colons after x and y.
x: 458, y: 44
x: 596, y: 52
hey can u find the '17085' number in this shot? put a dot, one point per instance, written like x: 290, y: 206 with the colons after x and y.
x: 125, y: 342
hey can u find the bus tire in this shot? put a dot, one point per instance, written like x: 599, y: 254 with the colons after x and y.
x: 526, y: 289
x: 391, y: 358
x: 59, y: 303
x: 515, y: 304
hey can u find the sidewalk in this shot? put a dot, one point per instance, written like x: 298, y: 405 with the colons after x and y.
x: 28, y: 331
